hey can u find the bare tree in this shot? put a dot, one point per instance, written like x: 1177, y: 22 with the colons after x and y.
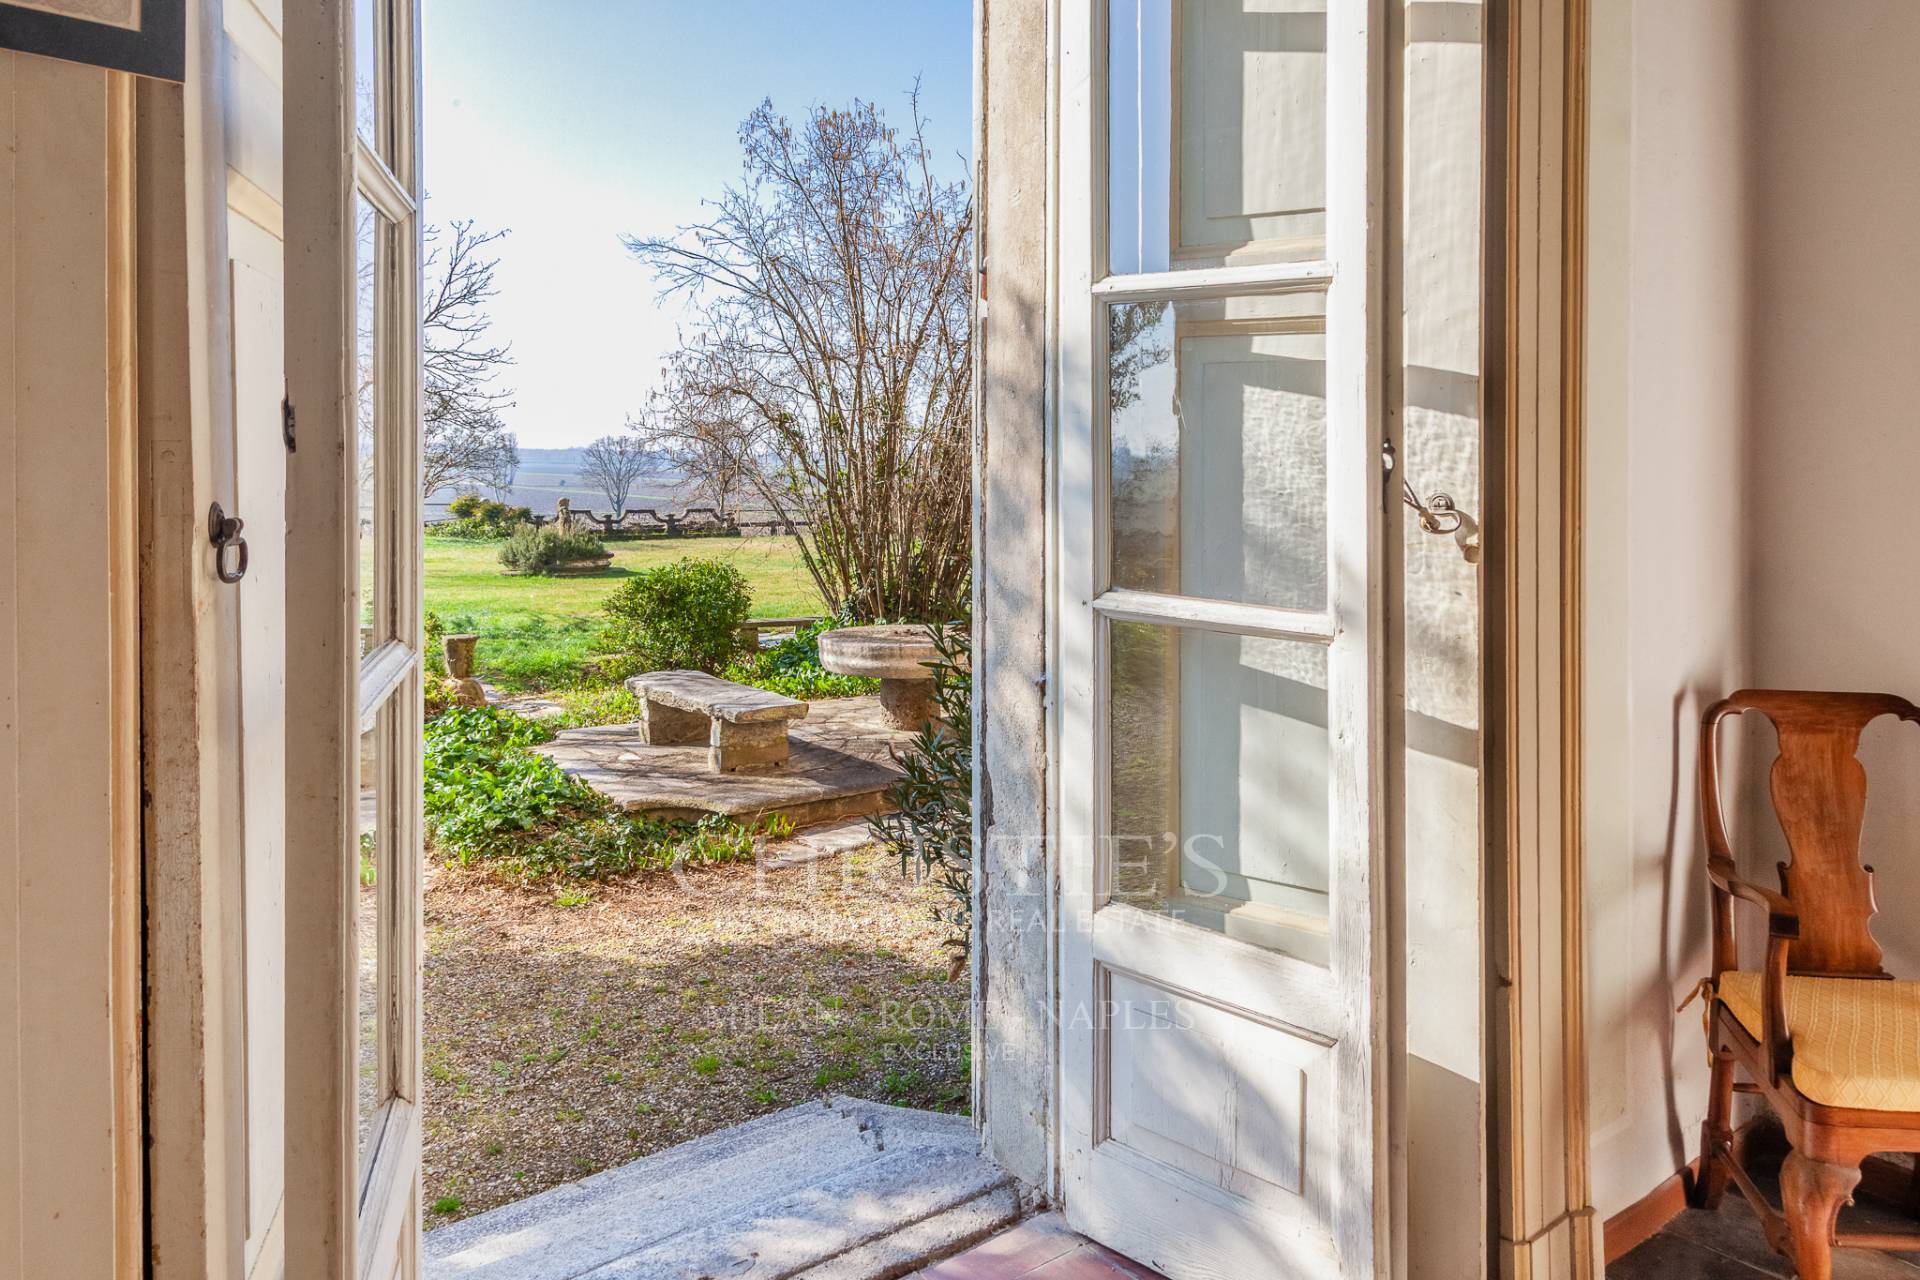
x: 612, y: 464
x: 506, y: 468
x: 466, y: 440
x: 831, y: 289
x: 712, y: 450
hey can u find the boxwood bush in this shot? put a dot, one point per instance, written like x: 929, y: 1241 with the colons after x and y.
x: 477, y: 519
x: 544, y: 548
x: 681, y: 616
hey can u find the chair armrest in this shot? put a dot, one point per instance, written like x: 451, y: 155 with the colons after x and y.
x: 1783, y: 927
x: 1783, y: 918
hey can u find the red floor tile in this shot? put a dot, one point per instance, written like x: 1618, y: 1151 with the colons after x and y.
x: 1039, y: 1249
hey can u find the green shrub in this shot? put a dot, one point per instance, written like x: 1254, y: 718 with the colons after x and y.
x: 791, y: 667
x: 477, y: 519
x: 931, y: 828
x: 539, y: 549
x: 683, y: 616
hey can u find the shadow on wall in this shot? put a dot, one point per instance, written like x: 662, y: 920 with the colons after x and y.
x: 1684, y: 953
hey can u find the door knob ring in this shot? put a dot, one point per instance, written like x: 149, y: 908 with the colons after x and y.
x: 223, y: 531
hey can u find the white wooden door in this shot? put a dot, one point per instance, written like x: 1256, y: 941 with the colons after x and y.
x: 354, y: 237
x: 260, y: 492
x: 1220, y: 493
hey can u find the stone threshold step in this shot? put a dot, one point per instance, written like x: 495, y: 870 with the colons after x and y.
x: 836, y: 1190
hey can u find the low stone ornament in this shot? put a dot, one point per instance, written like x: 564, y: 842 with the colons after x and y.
x: 898, y: 655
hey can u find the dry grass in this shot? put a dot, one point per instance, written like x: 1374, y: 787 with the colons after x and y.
x: 565, y: 1039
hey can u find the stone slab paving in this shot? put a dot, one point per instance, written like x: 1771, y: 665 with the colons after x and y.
x: 835, y: 1190
x: 839, y: 765
x: 528, y: 705
x: 828, y: 840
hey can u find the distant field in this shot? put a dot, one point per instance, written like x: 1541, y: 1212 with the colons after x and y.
x: 535, y: 632
x: 541, y: 491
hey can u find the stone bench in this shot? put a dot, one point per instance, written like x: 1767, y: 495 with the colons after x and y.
x: 742, y: 727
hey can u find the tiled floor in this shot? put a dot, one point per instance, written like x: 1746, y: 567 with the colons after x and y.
x: 1728, y: 1245
x: 1725, y: 1245
x: 1040, y: 1248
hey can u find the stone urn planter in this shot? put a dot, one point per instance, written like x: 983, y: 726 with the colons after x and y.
x: 582, y: 568
x: 897, y: 655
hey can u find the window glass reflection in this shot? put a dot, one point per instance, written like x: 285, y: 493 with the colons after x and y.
x: 1217, y: 419
x: 1217, y: 132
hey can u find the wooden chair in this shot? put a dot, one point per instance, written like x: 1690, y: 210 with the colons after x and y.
x: 1823, y: 1032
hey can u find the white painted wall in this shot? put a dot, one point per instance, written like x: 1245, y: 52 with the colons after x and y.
x: 1835, y: 374
x: 1754, y: 328
x: 1667, y: 603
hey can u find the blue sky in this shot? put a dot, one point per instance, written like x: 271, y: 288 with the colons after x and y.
x: 571, y: 122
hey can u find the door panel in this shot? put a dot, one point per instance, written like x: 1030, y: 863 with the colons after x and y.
x: 384, y: 858
x: 261, y: 493
x: 1220, y: 545
x: 353, y: 227
x: 1216, y: 1095
x: 252, y: 121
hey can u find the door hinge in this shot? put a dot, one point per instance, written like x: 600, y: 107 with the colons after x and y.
x: 286, y: 424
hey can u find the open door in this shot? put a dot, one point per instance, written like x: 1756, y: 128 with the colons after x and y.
x: 354, y: 632
x: 1219, y: 670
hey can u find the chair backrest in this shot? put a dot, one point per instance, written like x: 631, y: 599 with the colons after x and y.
x: 1819, y: 791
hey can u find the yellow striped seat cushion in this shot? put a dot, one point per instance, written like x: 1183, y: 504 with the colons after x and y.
x: 1856, y: 1042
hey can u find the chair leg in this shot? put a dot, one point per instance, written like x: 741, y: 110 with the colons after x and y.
x: 1716, y: 1132
x: 1812, y: 1193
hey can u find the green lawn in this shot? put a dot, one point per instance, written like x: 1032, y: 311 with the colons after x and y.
x: 535, y: 632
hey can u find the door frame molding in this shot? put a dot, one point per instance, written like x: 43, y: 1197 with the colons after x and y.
x: 1541, y: 1209
x: 321, y: 1224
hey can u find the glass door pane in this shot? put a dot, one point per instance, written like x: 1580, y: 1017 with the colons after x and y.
x: 1217, y: 425
x: 370, y: 76
x: 370, y: 237
x: 1217, y: 129
x: 1218, y: 776
x: 376, y: 845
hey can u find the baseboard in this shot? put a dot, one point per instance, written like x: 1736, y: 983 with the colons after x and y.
x: 1634, y: 1225
x: 1885, y: 1180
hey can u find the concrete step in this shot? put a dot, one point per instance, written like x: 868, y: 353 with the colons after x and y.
x: 840, y: 1190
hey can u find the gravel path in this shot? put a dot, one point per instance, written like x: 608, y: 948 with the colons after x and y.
x: 564, y: 1039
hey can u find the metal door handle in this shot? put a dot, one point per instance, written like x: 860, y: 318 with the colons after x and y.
x: 1439, y: 514
x: 223, y: 531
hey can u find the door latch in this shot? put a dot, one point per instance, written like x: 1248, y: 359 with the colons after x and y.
x: 223, y: 531
x: 286, y: 424
x: 1439, y: 514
